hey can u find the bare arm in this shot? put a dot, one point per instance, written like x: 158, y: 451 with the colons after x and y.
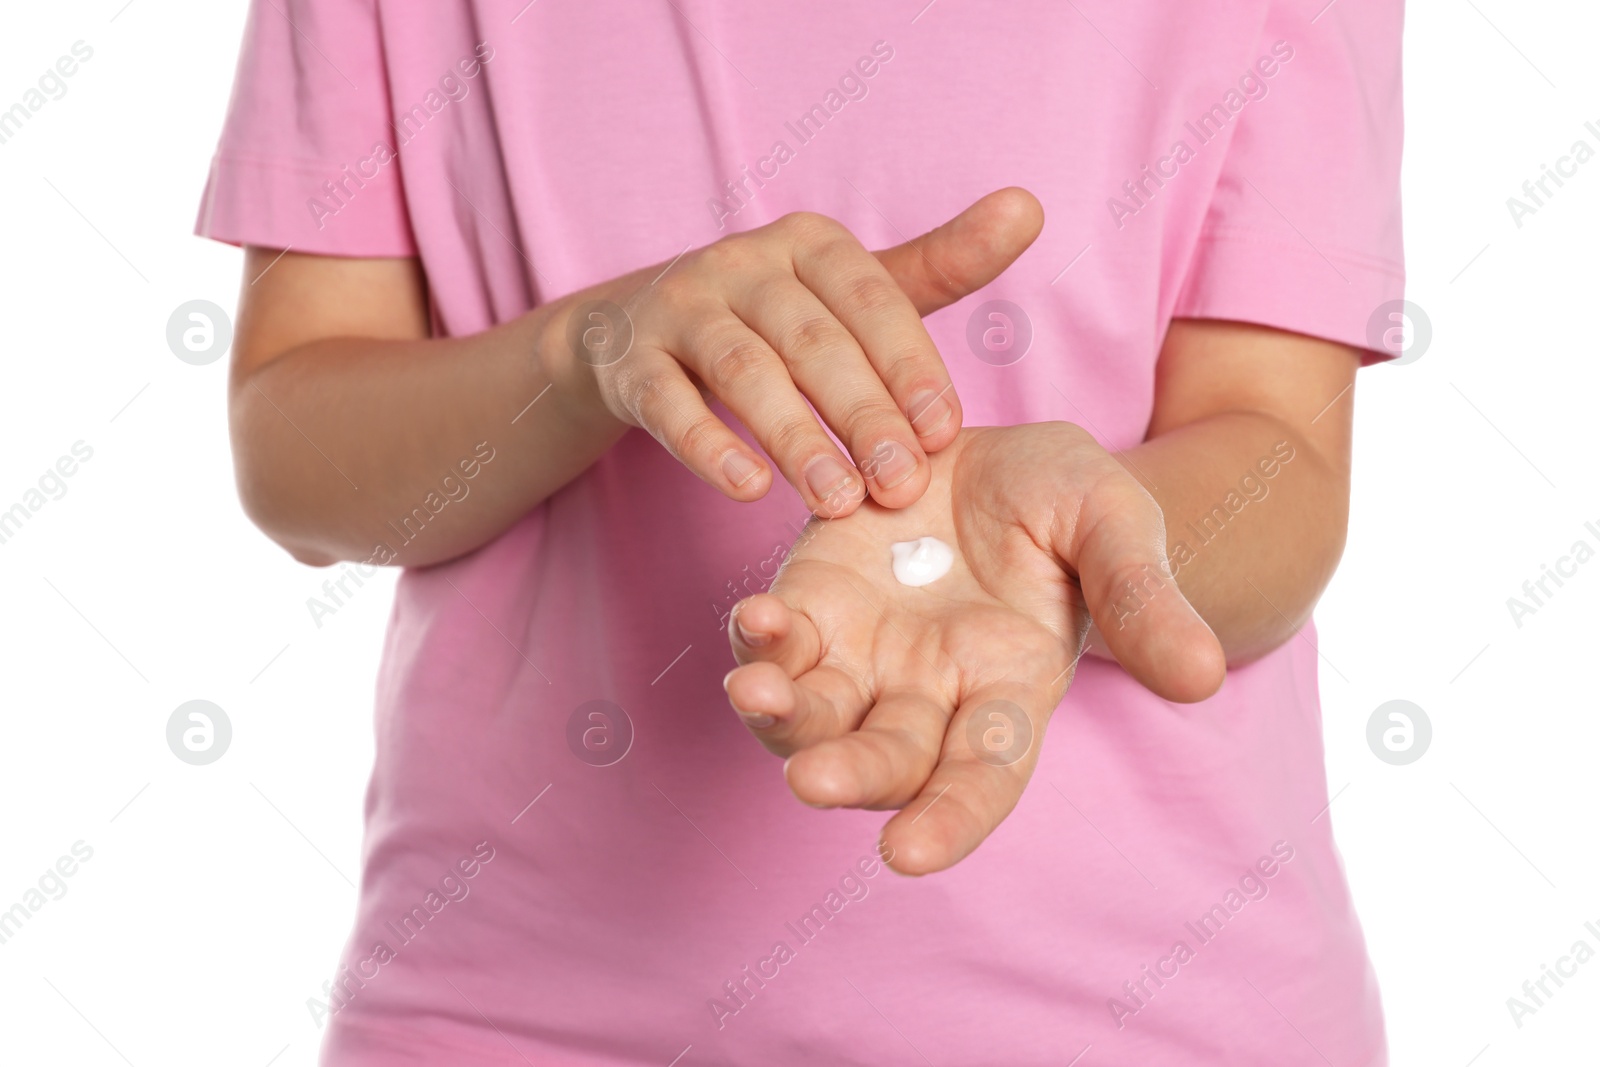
x: 346, y: 415
x: 1248, y: 456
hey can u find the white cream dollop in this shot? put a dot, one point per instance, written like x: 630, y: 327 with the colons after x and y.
x: 919, y: 562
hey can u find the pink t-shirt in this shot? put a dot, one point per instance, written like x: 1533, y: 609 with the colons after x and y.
x: 575, y: 854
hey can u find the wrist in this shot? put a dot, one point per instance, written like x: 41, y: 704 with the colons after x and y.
x: 565, y: 379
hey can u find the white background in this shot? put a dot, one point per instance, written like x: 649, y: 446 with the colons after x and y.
x: 217, y: 897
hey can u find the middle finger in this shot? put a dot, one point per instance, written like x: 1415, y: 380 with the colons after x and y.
x: 831, y: 368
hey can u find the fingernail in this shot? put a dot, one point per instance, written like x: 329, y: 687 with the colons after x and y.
x: 739, y: 468
x: 928, y: 411
x: 827, y: 478
x: 725, y: 678
x: 758, y: 722
x: 890, y: 464
x: 750, y: 639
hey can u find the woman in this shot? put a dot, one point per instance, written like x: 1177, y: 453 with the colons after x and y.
x: 543, y: 302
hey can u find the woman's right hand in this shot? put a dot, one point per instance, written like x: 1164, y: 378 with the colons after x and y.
x: 798, y: 330
x: 345, y: 410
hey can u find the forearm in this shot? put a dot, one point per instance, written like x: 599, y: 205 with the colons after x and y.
x: 1255, y: 519
x: 375, y: 450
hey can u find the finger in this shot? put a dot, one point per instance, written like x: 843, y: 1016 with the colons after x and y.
x: 787, y: 714
x: 743, y: 371
x: 1118, y: 549
x: 864, y: 297
x: 668, y: 406
x: 848, y: 391
x: 763, y: 628
x: 966, y: 253
x: 882, y: 764
x: 989, y: 753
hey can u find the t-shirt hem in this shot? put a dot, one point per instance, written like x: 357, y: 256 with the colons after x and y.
x: 1261, y: 277
x: 284, y: 203
x: 355, y: 1044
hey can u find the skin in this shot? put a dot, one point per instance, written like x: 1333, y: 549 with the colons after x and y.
x: 344, y: 411
x: 869, y: 687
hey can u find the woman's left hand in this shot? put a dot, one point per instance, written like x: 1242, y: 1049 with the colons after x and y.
x: 934, y: 699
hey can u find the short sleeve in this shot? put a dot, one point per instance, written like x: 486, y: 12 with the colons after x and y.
x: 1303, y: 230
x: 306, y: 158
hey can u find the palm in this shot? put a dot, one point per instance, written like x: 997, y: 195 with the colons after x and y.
x: 931, y: 698
x: 965, y: 632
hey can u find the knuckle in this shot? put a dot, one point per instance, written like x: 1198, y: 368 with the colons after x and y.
x: 807, y: 226
x: 1126, y: 491
x: 675, y: 290
x: 773, y: 286
x: 868, y: 429
x: 1115, y: 492
x: 695, y: 437
x: 815, y: 335
x: 793, y: 436
x: 909, y: 363
x: 729, y: 254
x: 735, y: 362
x: 865, y: 422
x: 871, y: 294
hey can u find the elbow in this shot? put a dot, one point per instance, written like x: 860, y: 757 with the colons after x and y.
x: 273, y: 516
x: 267, y: 488
x: 1287, y: 597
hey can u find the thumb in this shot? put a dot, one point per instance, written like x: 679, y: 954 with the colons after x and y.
x: 1118, y: 549
x: 968, y: 252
